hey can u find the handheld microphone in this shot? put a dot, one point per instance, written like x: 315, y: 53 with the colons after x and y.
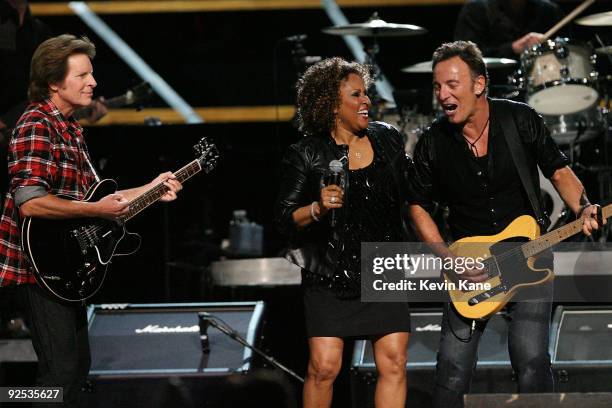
x: 336, y: 171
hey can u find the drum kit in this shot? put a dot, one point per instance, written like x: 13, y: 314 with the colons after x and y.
x: 557, y: 77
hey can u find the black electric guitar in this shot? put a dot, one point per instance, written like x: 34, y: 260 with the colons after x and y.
x: 70, y: 257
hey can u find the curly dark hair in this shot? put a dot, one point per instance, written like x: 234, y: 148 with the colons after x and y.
x: 318, y: 93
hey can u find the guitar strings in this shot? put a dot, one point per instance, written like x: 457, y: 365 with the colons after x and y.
x: 152, y: 192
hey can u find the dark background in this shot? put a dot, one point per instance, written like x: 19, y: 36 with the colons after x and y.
x: 217, y: 59
x: 228, y: 59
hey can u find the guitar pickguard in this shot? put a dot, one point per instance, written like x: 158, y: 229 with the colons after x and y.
x: 512, y: 266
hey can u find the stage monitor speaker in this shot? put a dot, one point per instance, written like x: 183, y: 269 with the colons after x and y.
x: 151, y: 355
x: 552, y: 400
x: 493, y: 374
x: 581, y: 348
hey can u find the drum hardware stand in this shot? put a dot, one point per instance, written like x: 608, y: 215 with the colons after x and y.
x: 371, y: 51
x: 405, y: 113
x: 605, y: 173
x: 299, y: 55
x: 598, y: 38
x: 582, y: 127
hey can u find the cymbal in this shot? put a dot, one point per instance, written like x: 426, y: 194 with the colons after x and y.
x: 599, y: 19
x: 491, y: 63
x: 604, y: 50
x: 376, y: 27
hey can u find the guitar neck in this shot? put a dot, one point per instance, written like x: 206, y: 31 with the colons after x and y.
x: 116, y: 102
x: 152, y: 195
x: 552, y: 238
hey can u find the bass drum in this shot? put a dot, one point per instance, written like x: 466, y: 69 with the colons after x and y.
x: 575, y: 127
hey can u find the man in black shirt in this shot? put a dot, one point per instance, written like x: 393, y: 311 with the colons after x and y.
x: 463, y: 161
x: 505, y: 28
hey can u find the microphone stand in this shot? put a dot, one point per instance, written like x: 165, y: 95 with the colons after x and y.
x: 233, y: 334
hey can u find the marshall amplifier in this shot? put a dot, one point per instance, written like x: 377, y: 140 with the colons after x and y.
x: 493, y: 373
x: 581, y: 348
x: 152, y: 355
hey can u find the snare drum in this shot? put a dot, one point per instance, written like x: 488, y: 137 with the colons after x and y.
x: 560, y: 77
x: 575, y: 127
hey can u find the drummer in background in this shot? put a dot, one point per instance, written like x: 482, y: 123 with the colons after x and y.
x: 505, y: 28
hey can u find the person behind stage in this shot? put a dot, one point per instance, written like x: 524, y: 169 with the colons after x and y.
x: 463, y: 160
x: 505, y: 28
x: 332, y: 112
x: 47, y: 157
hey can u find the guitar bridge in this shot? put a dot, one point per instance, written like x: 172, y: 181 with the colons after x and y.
x: 86, y: 237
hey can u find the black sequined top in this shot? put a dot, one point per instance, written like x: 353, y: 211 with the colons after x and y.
x: 374, y: 211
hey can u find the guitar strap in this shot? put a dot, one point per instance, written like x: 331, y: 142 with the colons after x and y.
x: 518, y: 153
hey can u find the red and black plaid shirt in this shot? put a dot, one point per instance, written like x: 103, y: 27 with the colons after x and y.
x: 47, y: 151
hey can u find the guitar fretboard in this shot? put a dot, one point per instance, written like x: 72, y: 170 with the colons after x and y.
x: 155, y: 193
x: 116, y: 102
x: 551, y: 238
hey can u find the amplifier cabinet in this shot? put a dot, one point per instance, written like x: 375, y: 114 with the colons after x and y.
x: 150, y: 355
x: 581, y: 348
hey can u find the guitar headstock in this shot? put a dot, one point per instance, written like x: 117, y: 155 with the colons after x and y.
x: 208, y: 154
x: 138, y: 94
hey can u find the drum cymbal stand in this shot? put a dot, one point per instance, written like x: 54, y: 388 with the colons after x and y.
x: 582, y: 127
x: 371, y: 51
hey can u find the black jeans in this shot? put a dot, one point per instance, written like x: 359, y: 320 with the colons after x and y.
x: 528, y: 337
x: 60, y: 339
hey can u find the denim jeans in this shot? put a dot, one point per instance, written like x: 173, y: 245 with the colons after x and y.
x: 60, y: 339
x: 528, y: 337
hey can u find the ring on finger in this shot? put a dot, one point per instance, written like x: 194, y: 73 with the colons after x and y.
x: 332, y: 199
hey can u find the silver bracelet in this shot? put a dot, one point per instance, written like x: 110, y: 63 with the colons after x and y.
x: 312, y: 214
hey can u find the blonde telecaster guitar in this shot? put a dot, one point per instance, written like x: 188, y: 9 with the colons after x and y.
x: 509, y: 270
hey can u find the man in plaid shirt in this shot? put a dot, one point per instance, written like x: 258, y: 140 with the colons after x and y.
x: 47, y: 157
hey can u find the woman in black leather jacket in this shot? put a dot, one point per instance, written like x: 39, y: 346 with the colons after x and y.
x: 332, y: 111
